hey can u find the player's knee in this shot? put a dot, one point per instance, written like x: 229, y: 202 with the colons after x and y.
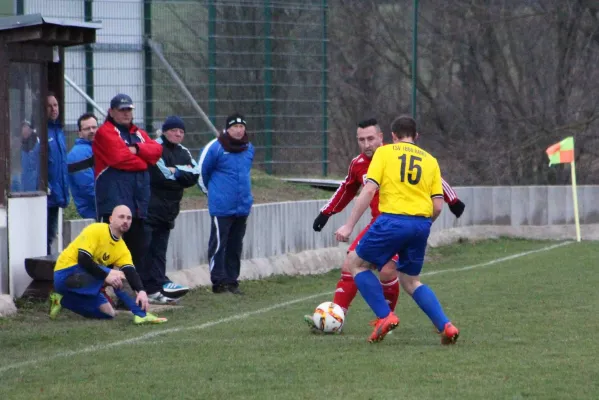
x: 345, y: 266
x: 78, y: 280
x: 409, y: 283
x: 352, y: 262
x: 388, y: 272
x: 107, y: 309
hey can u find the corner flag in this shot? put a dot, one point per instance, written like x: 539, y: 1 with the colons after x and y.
x: 561, y: 153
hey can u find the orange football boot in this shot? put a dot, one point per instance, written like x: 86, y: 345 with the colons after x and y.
x: 450, y: 334
x: 383, y: 326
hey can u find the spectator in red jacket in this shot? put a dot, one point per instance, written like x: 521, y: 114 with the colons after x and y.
x: 122, y: 154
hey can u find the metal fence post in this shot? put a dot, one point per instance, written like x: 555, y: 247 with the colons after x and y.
x: 414, y: 57
x: 212, y: 62
x: 148, y: 82
x: 89, y: 57
x: 325, y: 138
x: 268, y: 85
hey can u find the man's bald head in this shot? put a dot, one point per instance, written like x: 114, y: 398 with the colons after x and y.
x: 120, y: 220
x: 121, y: 210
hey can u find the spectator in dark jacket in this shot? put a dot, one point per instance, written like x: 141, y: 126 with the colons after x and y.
x: 173, y: 173
x: 225, y: 164
x: 58, y: 181
x: 80, y: 162
x: 30, y: 158
x: 122, y: 155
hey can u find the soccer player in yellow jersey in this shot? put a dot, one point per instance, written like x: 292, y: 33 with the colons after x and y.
x: 85, y: 266
x: 410, y: 199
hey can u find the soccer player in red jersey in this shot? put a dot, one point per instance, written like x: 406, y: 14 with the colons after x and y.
x: 370, y: 137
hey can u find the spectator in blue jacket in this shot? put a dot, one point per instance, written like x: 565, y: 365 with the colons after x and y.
x: 80, y: 162
x: 225, y: 164
x: 58, y: 181
x: 30, y: 158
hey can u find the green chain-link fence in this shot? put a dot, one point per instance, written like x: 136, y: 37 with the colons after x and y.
x: 265, y: 59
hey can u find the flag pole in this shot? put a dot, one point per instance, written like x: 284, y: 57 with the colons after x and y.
x: 575, y: 199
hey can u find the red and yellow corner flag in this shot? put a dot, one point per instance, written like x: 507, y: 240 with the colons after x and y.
x: 562, y: 152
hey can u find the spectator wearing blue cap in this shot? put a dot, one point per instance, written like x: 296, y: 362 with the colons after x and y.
x: 175, y: 171
x: 122, y: 155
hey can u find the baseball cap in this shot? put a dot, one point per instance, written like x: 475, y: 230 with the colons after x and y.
x: 121, y: 101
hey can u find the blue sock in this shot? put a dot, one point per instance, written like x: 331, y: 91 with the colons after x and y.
x: 427, y: 301
x: 370, y: 288
x: 85, y: 306
x: 130, y: 303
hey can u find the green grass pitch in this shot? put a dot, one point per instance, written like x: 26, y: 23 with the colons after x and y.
x: 528, y: 330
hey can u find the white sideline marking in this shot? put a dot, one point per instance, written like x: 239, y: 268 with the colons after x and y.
x: 153, y: 334
x: 497, y: 261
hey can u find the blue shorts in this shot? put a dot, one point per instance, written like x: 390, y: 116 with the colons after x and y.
x: 79, y: 284
x: 392, y: 234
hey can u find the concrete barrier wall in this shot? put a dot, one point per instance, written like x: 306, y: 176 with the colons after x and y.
x: 273, y: 230
x: 280, y: 228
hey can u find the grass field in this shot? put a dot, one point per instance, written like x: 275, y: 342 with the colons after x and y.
x: 528, y: 330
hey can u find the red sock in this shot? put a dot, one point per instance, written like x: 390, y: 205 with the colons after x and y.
x: 346, y: 291
x: 391, y: 292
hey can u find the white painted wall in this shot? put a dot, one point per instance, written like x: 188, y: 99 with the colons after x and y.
x: 122, y: 21
x: 3, y: 215
x: 74, y: 68
x: 27, y: 234
x: 3, y: 252
x: 119, y: 71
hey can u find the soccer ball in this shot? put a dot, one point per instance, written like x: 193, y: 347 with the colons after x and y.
x: 329, y: 317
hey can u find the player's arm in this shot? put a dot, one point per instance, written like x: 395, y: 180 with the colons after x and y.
x: 188, y: 175
x: 362, y: 202
x: 373, y: 179
x: 109, y: 147
x: 437, y: 207
x: 86, y: 261
x: 346, y: 191
x: 135, y: 282
x: 437, y: 194
x: 133, y: 278
x: 149, y: 150
x: 207, y: 164
x: 125, y: 264
x: 87, y: 247
x: 456, y: 206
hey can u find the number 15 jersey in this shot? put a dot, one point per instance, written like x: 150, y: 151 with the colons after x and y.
x: 408, y: 179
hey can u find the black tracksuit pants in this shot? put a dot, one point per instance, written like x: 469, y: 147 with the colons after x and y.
x: 224, y: 249
x: 153, y: 271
